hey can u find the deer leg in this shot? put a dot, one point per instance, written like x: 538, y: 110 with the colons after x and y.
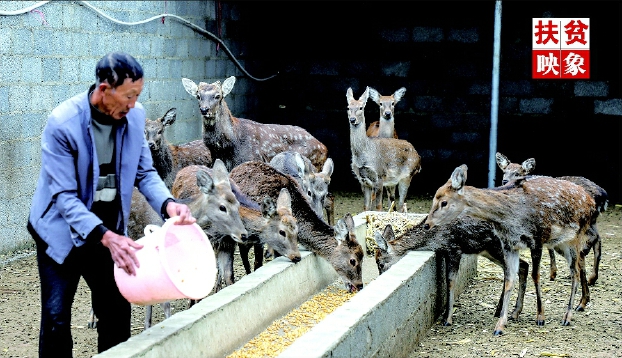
x: 585, y: 290
x: 258, y: 250
x: 402, y: 188
x: 244, y: 249
x: 594, y: 242
x: 452, y: 264
x: 166, y: 306
x: 378, y: 202
x: 92, y: 321
x: 510, y: 271
x: 536, y: 257
x: 553, y: 269
x: 572, y: 259
x: 148, y: 315
x: 523, y: 271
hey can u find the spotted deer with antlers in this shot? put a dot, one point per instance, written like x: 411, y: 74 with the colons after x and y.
x: 237, y: 140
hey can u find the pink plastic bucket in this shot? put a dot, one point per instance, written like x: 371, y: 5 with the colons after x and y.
x: 177, y: 261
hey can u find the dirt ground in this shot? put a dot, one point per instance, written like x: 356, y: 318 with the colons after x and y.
x: 597, y: 332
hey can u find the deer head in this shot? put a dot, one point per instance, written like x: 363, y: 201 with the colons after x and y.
x: 387, y: 103
x: 384, y: 252
x: 356, y: 108
x: 513, y: 171
x: 448, y: 202
x: 209, y: 95
x: 154, y: 130
x: 282, y: 228
x: 347, y: 257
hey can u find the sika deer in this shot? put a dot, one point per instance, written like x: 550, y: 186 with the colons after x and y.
x: 168, y: 159
x: 385, y: 127
x: 513, y: 171
x: 533, y: 213
x: 336, y: 244
x: 314, y: 183
x: 379, y: 162
x: 274, y: 226
x: 464, y: 235
x: 237, y: 140
x: 270, y: 223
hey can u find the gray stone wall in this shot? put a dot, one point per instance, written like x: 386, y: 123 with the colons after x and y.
x: 49, y: 54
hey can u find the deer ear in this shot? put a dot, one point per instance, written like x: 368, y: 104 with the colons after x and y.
x: 529, y: 165
x: 300, y: 165
x: 227, y: 86
x: 341, y: 231
x: 284, y: 201
x: 328, y: 167
x: 220, y: 174
x: 374, y: 95
x: 205, y: 182
x: 502, y: 161
x: 349, y: 94
x: 458, y: 178
x: 399, y: 94
x: 268, y: 207
x: 388, y: 233
x: 190, y: 86
x: 349, y: 220
x: 169, y: 117
x: 364, y: 96
x: 381, y: 242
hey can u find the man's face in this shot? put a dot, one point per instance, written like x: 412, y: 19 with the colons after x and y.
x: 117, y: 102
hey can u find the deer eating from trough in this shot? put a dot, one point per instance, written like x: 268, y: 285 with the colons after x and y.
x: 236, y: 140
x: 466, y: 235
x: 532, y: 213
x: 379, y: 162
x: 314, y: 184
x: 270, y: 223
x: 337, y: 244
x: 515, y: 171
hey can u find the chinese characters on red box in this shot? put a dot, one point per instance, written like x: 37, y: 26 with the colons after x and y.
x: 560, y: 48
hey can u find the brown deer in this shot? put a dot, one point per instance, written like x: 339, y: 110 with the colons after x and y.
x: 337, y: 244
x: 314, y: 184
x: 379, y: 162
x: 385, y: 127
x: 514, y: 171
x: 168, y: 159
x: 270, y: 223
x: 532, y: 213
x: 464, y: 235
x: 237, y: 140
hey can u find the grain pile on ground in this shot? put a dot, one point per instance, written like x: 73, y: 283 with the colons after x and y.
x: 283, y: 332
x: 376, y: 221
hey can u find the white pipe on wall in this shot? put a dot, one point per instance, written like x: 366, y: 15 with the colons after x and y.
x: 494, y: 107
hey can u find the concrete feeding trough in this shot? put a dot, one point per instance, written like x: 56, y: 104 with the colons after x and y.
x: 386, y: 318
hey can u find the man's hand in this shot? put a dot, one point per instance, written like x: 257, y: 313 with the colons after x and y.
x: 182, y: 211
x: 122, y: 250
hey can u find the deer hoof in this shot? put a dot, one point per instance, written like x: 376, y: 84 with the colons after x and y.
x: 565, y: 323
x: 92, y: 325
x: 580, y: 308
x: 446, y: 324
x: 592, y: 280
x: 498, y: 333
x: 539, y: 322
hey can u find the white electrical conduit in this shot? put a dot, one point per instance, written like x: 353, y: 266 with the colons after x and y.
x: 157, y: 17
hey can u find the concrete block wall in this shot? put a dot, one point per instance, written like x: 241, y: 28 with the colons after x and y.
x: 49, y: 54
